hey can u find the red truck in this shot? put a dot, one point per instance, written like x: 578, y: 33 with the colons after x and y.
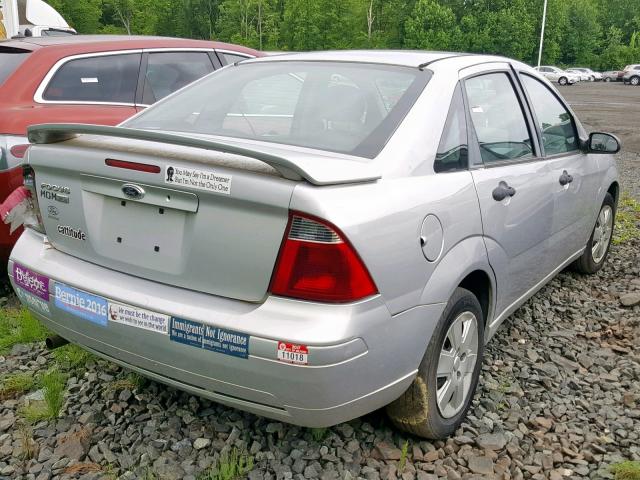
x: 90, y: 79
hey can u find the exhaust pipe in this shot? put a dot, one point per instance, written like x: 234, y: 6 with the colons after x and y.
x: 55, y: 341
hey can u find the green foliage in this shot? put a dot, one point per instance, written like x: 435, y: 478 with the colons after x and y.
x: 53, y: 383
x: 19, y: 326
x: 403, y: 456
x: 231, y: 466
x: 318, y: 434
x: 626, y: 471
x: 71, y: 357
x: 590, y: 33
x: 627, y: 221
x: 15, y: 384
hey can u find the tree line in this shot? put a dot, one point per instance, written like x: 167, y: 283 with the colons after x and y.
x: 601, y: 34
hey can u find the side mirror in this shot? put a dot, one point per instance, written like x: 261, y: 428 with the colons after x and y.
x: 600, y: 142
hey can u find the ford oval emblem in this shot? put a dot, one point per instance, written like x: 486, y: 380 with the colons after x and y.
x: 134, y: 192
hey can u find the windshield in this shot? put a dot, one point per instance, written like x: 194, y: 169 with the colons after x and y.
x: 10, y: 60
x: 336, y: 106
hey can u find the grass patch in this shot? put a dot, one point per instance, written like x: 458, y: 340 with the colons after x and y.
x: 626, y: 471
x: 15, y: 384
x: 627, y: 221
x: 17, y: 325
x: 53, y: 383
x: 403, y: 456
x: 71, y: 357
x: 133, y: 381
x: 230, y: 467
x: 28, y: 446
x: 318, y: 434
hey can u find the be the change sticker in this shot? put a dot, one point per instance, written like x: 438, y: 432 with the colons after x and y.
x: 139, y: 318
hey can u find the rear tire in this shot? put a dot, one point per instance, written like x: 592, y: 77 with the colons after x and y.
x: 607, y: 79
x: 597, y: 250
x: 437, y: 401
x: 635, y: 81
x: 562, y: 80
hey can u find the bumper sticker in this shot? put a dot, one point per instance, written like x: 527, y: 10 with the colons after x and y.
x: 33, y: 302
x: 81, y: 304
x: 199, y: 179
x: 139, y: 318
x: 31, y: 281
x: 293, y: 353
x: 216, y: 339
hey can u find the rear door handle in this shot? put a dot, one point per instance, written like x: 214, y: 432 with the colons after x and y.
x: 565, y: 178
x: 502, y: 191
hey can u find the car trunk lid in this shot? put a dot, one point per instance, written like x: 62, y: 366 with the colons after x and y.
x: 184, y: 211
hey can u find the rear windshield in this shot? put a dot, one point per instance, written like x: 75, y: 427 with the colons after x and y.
x: 341, y: 107
x: 10, y: 61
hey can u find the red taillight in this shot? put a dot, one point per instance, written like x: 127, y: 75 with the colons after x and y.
x: 140, y: 167
x: 317, y: 263
x: 18, y: 151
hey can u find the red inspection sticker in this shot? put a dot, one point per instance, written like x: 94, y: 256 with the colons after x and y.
x: 293, y: 353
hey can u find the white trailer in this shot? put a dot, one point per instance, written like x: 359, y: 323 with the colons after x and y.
x: 31, y: 18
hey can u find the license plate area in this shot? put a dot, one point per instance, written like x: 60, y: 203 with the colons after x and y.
x: 148, y: 236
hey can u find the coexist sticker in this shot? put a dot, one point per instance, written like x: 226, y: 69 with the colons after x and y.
x: 208, y: 337
x: 293, y: 353
x: 198, y: 179
x: 33, y: 302
x: 81, y: 304
x: 31, y: 281
x: 139, y: 318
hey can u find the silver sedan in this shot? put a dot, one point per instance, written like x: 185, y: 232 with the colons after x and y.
x: 310, y: 237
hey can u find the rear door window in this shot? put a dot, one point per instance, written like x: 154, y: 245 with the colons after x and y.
x: 101, y: 79
x: 452, y: 152
x: 170, y: 71
x: 10, y: 60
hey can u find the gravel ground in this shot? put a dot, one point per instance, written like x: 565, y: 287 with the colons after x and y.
x: 559, y: 398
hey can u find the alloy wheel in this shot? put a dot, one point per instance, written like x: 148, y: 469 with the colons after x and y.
x: 457, y: 361
x: 602, y: 233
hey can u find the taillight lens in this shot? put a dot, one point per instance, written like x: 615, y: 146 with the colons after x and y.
x: 35, y: 219
x: 317, y: 263
x: 19, y: 151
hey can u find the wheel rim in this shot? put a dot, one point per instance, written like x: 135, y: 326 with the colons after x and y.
x: 562, y: 81
x: 635, y: 81
x: 602, y: 234
x: 458, y: 357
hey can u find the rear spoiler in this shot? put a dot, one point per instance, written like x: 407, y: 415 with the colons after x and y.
x: 311, y: 169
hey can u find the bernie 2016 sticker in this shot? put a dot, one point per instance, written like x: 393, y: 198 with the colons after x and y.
x: 139, y: 318
x: 81, y: 304
x: 293, y: 353
x: 31, y: 281
x: 199, y: 179
x: 216, y: 339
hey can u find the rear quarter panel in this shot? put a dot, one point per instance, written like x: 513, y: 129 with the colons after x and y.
x: 383, y: 221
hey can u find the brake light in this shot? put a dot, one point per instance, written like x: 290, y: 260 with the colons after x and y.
x: 18, y: 151
x: 34, y: 218
x: 140, y: 167
x: 317, y: 263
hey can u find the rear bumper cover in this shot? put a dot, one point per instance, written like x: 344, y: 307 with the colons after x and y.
x: 360, y: 357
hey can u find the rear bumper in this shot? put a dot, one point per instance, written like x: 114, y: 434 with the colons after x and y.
x: 360, y: 357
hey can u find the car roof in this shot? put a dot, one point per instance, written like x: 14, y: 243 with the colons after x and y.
x: 407, y: 58
x: 81, y: 43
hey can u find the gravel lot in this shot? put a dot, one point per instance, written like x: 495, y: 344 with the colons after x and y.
x: 559, y: 396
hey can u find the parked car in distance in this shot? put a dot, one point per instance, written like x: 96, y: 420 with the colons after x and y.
x: 612, y: 76
x: 288, y: 236
x: 558, y: 75
x: 587, y: 74
x: 631, y: 74
x: 96, y: 79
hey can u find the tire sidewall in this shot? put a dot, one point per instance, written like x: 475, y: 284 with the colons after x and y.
x: 461, y: 301
x: 591, y: 264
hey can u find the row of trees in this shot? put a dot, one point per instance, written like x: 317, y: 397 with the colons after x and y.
x: 601, y: 34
